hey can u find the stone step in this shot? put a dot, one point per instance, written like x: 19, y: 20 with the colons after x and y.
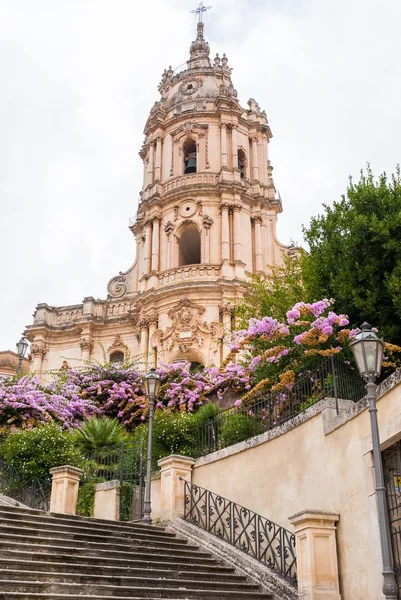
x: 155, y: 591
x: 64, y: 532
x: 148, y: 547
x: 146, y: 580
x: 94, y: 550
x: 18, y: 514
x: 213, y: 572
x: 26, y: 555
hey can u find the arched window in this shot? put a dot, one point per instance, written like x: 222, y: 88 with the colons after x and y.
x: 241, y: 162
x: 190, y: 246
x: 189, y: 157
x: 117, y: 357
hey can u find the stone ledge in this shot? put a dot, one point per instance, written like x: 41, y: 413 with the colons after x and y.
x: 270, y: 582
x: 107, y: 485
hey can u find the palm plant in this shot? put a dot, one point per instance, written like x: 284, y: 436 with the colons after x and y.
x: 99, y: 433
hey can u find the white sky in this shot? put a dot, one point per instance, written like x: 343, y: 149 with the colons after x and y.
x: 78, y: 79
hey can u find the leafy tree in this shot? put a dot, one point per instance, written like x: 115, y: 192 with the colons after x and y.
x: 275, y: 295
x: 355, y: 253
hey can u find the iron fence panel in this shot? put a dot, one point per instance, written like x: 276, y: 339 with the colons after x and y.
x: 255, y: 535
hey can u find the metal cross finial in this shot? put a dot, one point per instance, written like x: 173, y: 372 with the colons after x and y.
x: 200, y: 10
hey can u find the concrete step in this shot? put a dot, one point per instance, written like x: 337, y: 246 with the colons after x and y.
x: 154, y: 591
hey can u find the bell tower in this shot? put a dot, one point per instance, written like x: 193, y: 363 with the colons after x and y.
x: 207, y: 212
x: 206, y: 220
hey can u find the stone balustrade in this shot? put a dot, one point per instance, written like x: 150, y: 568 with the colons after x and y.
x: 190, y: 272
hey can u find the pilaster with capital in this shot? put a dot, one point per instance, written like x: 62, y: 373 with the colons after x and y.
x: 151, y: 163
x: 255, y: 159
x: 155, y: 243
x: 237, y: 232
x: 225, y: 232
x: 148, y: 247
x: 38, y: 351
x: 144, y: 327
x: 223, y: 141
x: 257, y: 222
x: 234, y: 147
x: 207, y: 222
x: 152, y: 320
x: 86, y: 345
x: 158, y: 164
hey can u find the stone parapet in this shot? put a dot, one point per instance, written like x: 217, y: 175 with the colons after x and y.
x: 173, y: 470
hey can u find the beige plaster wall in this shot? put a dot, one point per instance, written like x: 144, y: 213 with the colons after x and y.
x: 306, y: 469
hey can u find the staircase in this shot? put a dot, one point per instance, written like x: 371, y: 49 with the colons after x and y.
x: 46, y: 556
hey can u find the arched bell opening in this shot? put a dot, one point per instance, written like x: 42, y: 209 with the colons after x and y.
x: 190, y: 158
x: 241, y: 162
x: 189, y: 246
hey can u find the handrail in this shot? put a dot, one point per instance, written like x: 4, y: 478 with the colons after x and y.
x: 257, y: 536
x: 331, y: 378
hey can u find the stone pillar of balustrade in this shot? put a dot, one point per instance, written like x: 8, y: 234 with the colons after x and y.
x: 107, y: 500
x: 64, y: 494
x: 317, y: 561
x: 173, y: 470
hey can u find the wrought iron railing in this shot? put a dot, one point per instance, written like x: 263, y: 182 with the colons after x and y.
x: 125, y: 463
x: 33, y: 492
x: 331, y: 378
x: 255, y: 535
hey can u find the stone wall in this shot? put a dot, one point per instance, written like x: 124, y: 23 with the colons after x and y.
x: 316, y: 461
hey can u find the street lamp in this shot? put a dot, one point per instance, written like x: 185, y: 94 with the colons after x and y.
x: 367, y: 349
x: 22, y: 347
x: 152, y: 387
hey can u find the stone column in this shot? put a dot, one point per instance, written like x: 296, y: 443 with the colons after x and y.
x: 155, y: 243
x: 255, y: 160
x: 225, y: 233
x: 237, y: 232
x: 234, y: 147
x: 258, y: 244
x: 148, y: 247
x: 38, y: 351
x: 317, y: 562
x: 143, y: 324
x: 151, y: 163
x: 223, y: 130
x: 158, y: 167
x: 65, y: 484
x: 172, y: 469
x: 151, y: 350
x: 86, y: 345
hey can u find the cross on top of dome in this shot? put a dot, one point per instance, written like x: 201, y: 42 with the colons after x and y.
x: 200, y: 10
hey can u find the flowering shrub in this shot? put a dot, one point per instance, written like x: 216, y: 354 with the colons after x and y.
x: 276, y: 353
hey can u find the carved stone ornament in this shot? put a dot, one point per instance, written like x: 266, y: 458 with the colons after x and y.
x: 190, y: 86
x: 117, y: 287
x: 187, y: 330
x: 65, y: 366
x: 38, y: 350
x: 207, y: 221
x: 169, y: 227
x: 86, y: 344
x: 118, y: 344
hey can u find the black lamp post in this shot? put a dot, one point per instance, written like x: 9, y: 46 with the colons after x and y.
x: 22, y: 347
x: 152, y: 387
x: 368, y: 353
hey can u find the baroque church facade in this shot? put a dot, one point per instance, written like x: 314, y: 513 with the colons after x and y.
x: 206, y: 221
